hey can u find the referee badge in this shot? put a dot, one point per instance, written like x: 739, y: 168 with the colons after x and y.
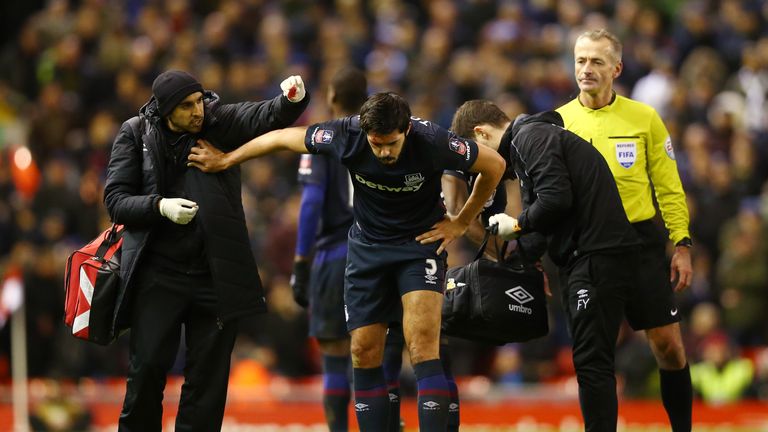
x: 669, y: 149
x: 626, y: 153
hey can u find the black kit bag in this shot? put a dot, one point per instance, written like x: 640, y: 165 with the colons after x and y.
x: 495, y: 302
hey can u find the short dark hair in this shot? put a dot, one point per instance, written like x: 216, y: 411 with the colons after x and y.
x: 477, y: 112
x: 350, y: 89
x: 384, y: 113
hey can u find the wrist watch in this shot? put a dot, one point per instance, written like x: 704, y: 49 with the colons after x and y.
x: 685, y: 242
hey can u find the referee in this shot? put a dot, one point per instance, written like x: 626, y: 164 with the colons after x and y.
x: 634, y: 141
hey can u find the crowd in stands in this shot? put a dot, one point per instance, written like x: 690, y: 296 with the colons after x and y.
x: 73, y: 71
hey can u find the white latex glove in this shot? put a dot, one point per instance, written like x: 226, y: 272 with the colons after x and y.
x: 178, y: 210
x: 507, y: 227
x: 293, y: 88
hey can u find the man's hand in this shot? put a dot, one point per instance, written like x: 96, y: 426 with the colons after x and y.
x: 300, y: 282
x: 681, y: 268
x: 504, y: 225
x: 207, y: 158
x: 179, y: 210
x: 293, y: 88
x: 547, y: 289
x: 447, y: 230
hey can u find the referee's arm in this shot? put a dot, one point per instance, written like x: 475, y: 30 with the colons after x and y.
x: 671, y: 198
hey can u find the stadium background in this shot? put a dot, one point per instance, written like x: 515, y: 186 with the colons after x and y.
x: 72, y: 71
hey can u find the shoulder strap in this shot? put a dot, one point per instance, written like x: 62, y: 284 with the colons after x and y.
x: 481, y: 249
x: 137, y: 126
x: 500, y: 250
x: 112, y: 237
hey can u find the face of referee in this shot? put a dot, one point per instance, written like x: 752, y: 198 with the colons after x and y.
x: 596, y: 66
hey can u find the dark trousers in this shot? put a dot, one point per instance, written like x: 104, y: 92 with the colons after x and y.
x: 597, y: 288
x: 163, y: 302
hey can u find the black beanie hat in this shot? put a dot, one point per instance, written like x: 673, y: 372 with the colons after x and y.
x: 171, y: 87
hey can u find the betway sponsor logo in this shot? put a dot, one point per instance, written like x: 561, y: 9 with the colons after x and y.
x: 372, y: 185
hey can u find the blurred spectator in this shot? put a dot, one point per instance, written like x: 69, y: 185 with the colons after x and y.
x: 761, y: 374
x: 751, y: 83
x: 656, y: 88
x: 705, y: 322
x: 743, y: 276
x: 44, y: 299
x: 59, y: 410
x: 714, y: 199
x: 56, y: 200
x: 507, y: 367
x: 721, y: 376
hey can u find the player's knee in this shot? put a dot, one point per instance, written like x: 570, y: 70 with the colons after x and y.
x: 418, y: 356
x: 423, y: 349
x: 366, y: 355
x: 334, y: 347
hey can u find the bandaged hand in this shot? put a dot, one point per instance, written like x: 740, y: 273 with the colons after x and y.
x: 504, y: 225
x: 179, y: 210
x: 293, y: 88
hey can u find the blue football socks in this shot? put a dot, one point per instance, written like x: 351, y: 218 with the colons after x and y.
x: 336, y: 392
x: 371, y: 399
x: 433, y: 396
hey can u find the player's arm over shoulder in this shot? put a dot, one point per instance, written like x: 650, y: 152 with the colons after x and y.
x: 208, y: 158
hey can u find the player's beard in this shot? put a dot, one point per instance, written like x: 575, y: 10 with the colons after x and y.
x: 389, y: 160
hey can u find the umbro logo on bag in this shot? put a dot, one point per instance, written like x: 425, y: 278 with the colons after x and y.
x: 519, y: 294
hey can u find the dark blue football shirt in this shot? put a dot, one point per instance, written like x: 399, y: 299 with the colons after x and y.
x: 333, y: 178
x: 394, y: 203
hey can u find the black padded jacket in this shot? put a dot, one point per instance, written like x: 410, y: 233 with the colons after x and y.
x: 567, y: 190
x: 134, y: 187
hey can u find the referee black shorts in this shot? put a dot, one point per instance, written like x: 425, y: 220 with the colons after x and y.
x: 653, y: 302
